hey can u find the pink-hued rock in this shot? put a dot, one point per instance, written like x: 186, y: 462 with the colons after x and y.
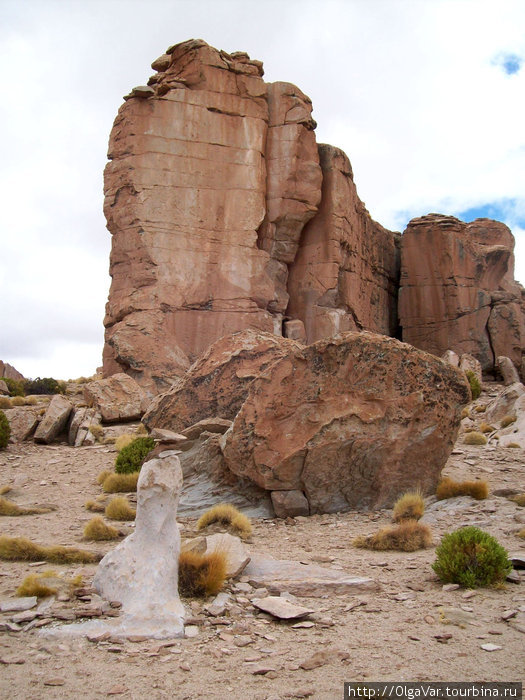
x: 289, y: 504
x: 7, y: 370
x: 217, y: 384
x: 22, y: 422
x: 54, y: 420
x: 346, y: 270
x: 458, y: 291
x: 507, y: 370
x: 468, y: 363
x: 352, y: 422
x: 451, y: 358
x: 117, y: 398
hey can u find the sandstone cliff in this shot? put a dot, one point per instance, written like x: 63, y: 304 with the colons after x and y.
x: 213, y: 176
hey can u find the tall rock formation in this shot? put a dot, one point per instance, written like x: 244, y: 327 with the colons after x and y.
x: 458, y: 290
x: 213, y: 175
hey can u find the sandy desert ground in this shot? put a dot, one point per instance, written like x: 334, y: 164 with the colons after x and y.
x: 396, y: 633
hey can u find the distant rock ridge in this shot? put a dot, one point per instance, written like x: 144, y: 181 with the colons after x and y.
x: 227, y: 215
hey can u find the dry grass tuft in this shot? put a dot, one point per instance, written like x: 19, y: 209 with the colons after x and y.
x: 98, y: 531
x: 119, y: 509
x: 5, y: 489
x: 448, y: 488
x: 18, y: 401
x: 120, y: 483
x: 465, y: 412
x: 141, y: 430
x: 408, y: 536
x: 475, y: 438
x: 97, y: 431
x: 22, y: 549
x: 34, y: 585
x: 480, y: 409
x: 507, y: 420
x: 513, y: 444
x: 30, y: 401
x: 5, y: 402
x: 103, y: 476
x: 410, y: 506
x: 519, y: 498
x: 228, y: 515
x: 124, y: 440
x: 12, y: 509
x: 201, y: 574
x: 486, y: 427
x: 95, y: 506
x: 521, y: 533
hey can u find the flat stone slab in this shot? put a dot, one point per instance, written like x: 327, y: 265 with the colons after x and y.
x: 281, y: 575
x: 18, y: 604
x: 122, y: 628
x: 281, y: 608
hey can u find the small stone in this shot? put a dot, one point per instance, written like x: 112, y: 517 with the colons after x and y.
x: 54, y: 681
x: 321, y: 658
x: 19, y: 604
x: 442, y: 638
x: 513, y: 576
x: 12, y: 660
x: 101, y: 637
x: 117, y: 690
x: 305, y: 624
x: 263, y: 669
x: 26, y: 616
x: 508, y: 614
x: 191, y: 631
x: 184, y: 666
x: 491, y: 647
x: 242, y: 640
x: 280, y: 607
x: 450, y: 587
x: 468, y: 594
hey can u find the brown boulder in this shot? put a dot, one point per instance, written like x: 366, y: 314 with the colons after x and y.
x: 117, y: 398
x: 290, y: 504
x: 217, y: 384
x: 507, y: 370
x: 458, y: 291
x: 54, y: 420
x: 7, y: 370
x: 352, y: 422
x: 22, y: 422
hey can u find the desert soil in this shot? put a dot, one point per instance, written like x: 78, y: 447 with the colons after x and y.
x: 396, y: 633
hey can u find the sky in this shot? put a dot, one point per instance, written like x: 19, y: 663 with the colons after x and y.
x: 426, y: 97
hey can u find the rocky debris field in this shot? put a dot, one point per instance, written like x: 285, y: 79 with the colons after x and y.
x: 411, y: 628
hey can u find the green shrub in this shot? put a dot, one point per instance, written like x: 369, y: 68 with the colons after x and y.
x: 130, y: 458
x: 15, y: 386
x: 5, y: 431
x: 475, y: 386
x: 46, y: 385
x: 471, y: 558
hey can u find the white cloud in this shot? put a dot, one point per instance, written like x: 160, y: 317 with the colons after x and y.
x: 413, y: 91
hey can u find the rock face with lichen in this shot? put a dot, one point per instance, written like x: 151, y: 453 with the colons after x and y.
x: 213, y: 176
x: 458, y: 290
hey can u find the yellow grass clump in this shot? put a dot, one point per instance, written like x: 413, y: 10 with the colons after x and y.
x: 486, y: 427
x: 103, y: 476
x: 514, y: 445
x: 448, y: 488
x: 521, y: 533
x: 519, y: 499
x: 22, y: 549
x: 201, y: 574
x: 33, y: 585
x: 410, y: 506
x: 7, y: 507
x: 120, y: 483
x: 5, y: 402
x: 18, y: 401
x: 124, y: 440
x: 408, y: 536
x: 465, y: 412
x: 95, y: 506
x: 481, y: 409
x: 119, y: 509
x: 30, y: 401
x: 141, y: 430
x: 507, y: 420
x: 5, y: 489
x: 228, y: 515
x: 97, y: 431
x: 98, y: 531
x: 475, y: 438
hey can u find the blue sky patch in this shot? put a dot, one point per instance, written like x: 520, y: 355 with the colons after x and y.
x: 511, y: 63
x: 502, y: 210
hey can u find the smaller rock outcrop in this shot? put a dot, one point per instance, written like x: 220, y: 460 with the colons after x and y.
x: 7, y: 370
x: 117, y: 398
x: 217, y: 384
x: 142, y: 572
x: 54, y: 420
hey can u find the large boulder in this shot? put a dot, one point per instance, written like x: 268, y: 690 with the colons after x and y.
x: 54, y: 420
x: 351, y: 422
x: 22, y: 421
x: 217, y: 384
x: 117, y: 398
x: 457, y: 289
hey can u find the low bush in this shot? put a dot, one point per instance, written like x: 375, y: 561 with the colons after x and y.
x: 408, y: 536
x: 18, y: 401
x: 15, y: 386
x: 507, y: 420
x: 486, y: 428
x: 12, y: 509
x: 103, y: 475
x: 95, y: 507
x: 472, y: 558
x: 475, y: 386
x: 5, y: 431
x: 22, y: 549
x: 5, y: 402
x: 44, y: 385
x: 410, y: 506
x: 131, y: 457
x: 119, y: 509
x: 475, y: 438
x: 448, y: 488
x: 227, y: 515
x: 120, y: 483
x: 97, y: 431
x: 201, y: 574
x: 30, y: 401
x: 97, y: 530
